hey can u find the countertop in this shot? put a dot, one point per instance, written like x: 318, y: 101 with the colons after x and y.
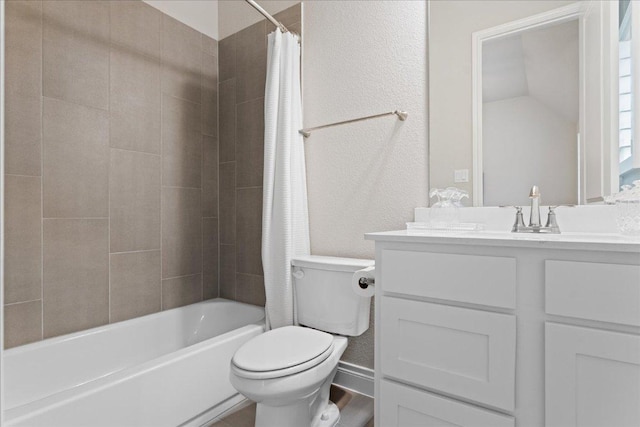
x: 569, y: 240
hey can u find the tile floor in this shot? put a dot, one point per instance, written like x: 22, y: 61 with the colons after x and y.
x: 356, y: 410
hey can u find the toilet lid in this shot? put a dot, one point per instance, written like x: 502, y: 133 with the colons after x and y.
x: 282, y: 348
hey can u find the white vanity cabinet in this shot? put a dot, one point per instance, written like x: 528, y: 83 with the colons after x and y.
x: 477, y: 330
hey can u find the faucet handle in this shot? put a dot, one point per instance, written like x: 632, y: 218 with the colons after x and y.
x: 551, y: 217
x: 519, y: 223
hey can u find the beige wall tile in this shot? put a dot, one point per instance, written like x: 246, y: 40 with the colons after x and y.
x: 249, y: 231
x: 23, y: 49
x: 136, y: 26
x: 210, y: 257
x: 209, y: 46
x: 227, y: 57
x: 76, y: 161
x: 135, y: 101
x: 228, y: 271
x: 181, y: 291
x: 250, y: 289
x: 23, y: 135
x: 23, y: 84
x: 22, y: 323
x: 23, y: 239
x: 210, y: 95
x: 135, y: 284
x: 134, y: 191
x: 227, y: 120
x: 181, y: 143
x: 181, y: 232
x: 181, y: 60
x: 76, y: 275
x: 251, y: 62
x: 209, y: 176
x: 76, y: 52
x: 227, y: 206
x: 250, y: 143
x: 289, y: 16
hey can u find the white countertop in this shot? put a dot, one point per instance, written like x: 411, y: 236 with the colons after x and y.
x: 569, y: 240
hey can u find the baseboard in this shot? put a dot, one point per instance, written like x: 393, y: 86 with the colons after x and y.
x: 356, y: 378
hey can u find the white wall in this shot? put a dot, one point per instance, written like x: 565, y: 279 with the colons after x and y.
x: 452, y: 23
x: 525, y: 142
x: 362, y: 58
x: 201, y: 15
x: 236, y: 15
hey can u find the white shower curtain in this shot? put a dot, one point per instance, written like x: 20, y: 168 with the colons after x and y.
x: 285, y: 217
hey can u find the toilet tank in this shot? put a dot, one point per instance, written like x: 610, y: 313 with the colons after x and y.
x: 324, y: 298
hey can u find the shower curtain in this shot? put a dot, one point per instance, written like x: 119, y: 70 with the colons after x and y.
x: 285, y: 217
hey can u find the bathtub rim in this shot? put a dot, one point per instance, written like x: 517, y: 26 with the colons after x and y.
x: 117, y: 325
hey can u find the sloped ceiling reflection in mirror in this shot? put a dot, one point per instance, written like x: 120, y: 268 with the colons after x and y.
x: 541, y: 63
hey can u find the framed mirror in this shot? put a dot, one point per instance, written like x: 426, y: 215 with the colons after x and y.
x: 524, y: 93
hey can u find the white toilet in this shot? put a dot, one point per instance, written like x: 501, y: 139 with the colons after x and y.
x: 288, y: 371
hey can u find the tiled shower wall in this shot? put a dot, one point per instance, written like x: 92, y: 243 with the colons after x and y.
x: 242, y: 68
x: 112, y: 165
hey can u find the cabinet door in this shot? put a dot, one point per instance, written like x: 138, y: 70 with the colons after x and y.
x: 458, y: 351
x: 592, y: 377
x: 402, y: 406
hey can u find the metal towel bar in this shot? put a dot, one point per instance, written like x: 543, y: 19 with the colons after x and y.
x: 402, y: 116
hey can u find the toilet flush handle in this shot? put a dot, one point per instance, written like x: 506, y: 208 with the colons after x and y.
x: 298, y: 274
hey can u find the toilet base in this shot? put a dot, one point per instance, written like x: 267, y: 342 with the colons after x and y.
x: 330, y: 416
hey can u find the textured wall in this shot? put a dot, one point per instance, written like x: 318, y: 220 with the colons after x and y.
x: 243, y: 68
x: 111, y: 161
x: 362, y: 58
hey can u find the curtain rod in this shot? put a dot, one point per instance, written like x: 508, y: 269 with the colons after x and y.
x: 402, y: 116
x: 266, y: 14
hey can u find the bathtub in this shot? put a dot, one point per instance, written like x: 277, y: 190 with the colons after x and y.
x: 166, y: 369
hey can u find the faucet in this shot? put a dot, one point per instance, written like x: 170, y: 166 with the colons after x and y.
x: 534, y: 217
x: 535, y: 225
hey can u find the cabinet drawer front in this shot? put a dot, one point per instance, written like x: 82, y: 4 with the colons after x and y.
x: 592, y: 377
x: 402, y: 406
x: 462, y: 352
x: 603, y: 292
x: 474, y: 279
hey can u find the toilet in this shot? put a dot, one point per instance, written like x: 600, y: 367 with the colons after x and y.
x: 288, y: 371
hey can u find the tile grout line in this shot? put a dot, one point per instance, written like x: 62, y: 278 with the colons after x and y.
x: 134, y: 252
x: 182, y: 276
x: 92, y: 107
x: 131, y: 151
x: 235, y: 172
x: 217, y: 118
x: 202, y: 167
x: 109, y: 172
x: 161, y: 60
x: 22, y: 302
x: 42, y: 171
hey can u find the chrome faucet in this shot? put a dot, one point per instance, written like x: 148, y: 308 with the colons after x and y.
x: 535, y: 225
x: 534, y: 217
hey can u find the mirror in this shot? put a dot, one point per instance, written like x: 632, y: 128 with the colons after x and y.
x: 524, y: 93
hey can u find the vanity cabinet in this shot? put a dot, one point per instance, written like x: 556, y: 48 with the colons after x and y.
x: 476, y: 331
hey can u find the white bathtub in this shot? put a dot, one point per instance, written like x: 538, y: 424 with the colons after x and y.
x: 166, y: 369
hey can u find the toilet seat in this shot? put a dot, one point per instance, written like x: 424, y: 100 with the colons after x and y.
x: 282, y: 352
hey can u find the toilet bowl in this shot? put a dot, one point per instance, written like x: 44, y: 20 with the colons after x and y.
x: 288, y: 371
x: 291, y: 388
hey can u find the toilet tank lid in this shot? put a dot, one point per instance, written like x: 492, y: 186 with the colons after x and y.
x: 331, y: 263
